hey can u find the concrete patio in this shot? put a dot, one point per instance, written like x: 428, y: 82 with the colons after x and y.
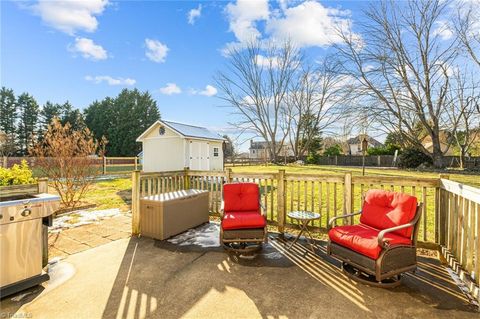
x: 192, y: 277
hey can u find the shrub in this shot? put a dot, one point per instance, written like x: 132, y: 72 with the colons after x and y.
x: 381, y: 150
x: 312, y: 158
x: 333, y: 150
x: 412, y: 158
x: 16, y: 175
x: 67, y: 156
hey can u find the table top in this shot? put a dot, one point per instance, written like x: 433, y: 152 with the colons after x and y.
x: 303, y: 215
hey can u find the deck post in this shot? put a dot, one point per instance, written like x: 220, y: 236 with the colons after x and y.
x: 136, y: 164
x: 229, y: 175
x: 43, y: 185
x: 441, y: 209
x: 347, y: 195
x: 186, y: 178
x: 281, y: 214
x: 104, y: 165
x: 5, y: 162
x: 136, y: 203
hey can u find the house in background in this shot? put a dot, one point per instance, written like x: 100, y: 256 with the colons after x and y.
x: 171, y: 146
x: 354, y: 144
x: 445, y: 146
x: 259, y: 150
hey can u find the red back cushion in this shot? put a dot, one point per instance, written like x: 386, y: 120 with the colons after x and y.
x: 240, y: 197
x: 383, y: 209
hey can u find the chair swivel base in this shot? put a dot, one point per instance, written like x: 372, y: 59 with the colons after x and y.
x: 360, y: 276
x: 242, y: 248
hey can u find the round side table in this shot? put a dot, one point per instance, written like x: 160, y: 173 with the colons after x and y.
x: 304, y: 217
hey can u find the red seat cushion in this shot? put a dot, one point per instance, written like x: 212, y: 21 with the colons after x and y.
x: 243, y: 220
x: 363, y: 239
x: 240, y: 197
x: 384, y: 209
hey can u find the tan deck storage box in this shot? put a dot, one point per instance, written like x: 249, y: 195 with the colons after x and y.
x: 169, y: 214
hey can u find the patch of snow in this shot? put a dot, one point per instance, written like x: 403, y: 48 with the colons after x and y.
x: 82, y: 217
x: 54, y: 260
x: 273, y: 255
x: 21, y: 296
x: 59, y: 273
x: 462, y: 286
x: 206, y: 236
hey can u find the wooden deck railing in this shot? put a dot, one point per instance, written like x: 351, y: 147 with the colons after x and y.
x: 450, y: 216
x: 460, y: 229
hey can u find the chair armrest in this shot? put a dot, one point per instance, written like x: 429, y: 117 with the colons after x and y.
x: 263, y: 210
x: 331, y: 222
x: 222, y: 210
x: 384, y: 243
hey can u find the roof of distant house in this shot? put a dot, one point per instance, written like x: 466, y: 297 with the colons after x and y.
x: 358, y: 140
x: 259, y: 145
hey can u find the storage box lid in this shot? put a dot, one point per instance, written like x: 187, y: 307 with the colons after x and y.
x: 171, y: 196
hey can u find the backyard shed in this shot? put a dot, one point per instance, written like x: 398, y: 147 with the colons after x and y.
x: 169, y: 146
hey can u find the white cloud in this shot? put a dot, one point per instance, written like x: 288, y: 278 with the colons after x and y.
x: 70, y: 16
x: 306, y: 23
x: 171, y: 88
x: 243, y: 16
x: 264, y: 61
x: 156, y: 50
x: 443, y: 30
x: 194, y: 14
x: 209, y: 90
x: 309, y: 24
x: 89, y: 49
x: 110, y: 80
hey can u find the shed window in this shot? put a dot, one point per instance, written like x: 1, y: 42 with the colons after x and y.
x: 215, y: 151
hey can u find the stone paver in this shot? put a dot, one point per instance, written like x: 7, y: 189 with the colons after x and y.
x: 70, y: 241
x: 68, y: 245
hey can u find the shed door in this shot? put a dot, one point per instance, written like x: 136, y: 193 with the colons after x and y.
x: 199, y: 155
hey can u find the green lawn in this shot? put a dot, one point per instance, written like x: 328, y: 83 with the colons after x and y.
x: 114, y: 193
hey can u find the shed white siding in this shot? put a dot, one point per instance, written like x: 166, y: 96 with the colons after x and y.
x: 173, y: 151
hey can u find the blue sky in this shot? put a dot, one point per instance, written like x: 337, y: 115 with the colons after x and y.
x: 82, y: 51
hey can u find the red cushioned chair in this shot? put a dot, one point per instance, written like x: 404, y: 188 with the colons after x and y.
x: 383, y: 245
x: 244, y: 226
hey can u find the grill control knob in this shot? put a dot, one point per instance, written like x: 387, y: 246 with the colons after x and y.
x: 26, y: 212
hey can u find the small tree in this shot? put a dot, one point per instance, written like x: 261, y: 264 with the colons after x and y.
x: 67, y: 157
x: 229, y: 150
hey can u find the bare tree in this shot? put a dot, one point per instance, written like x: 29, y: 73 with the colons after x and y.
x: 314, y: 103
x: 463, y: 100
x: 66, y: 156
x: 401, y: 67
x: 467, y: 27
x: 255, y: 85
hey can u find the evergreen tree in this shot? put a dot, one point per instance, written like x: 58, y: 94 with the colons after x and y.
x: 229, y: 150
x: 121, y: 120
x: 8, y: 118
x: 65, y: 111
x: 49, y: 112
x: 27, y: 125
x: 75, y: 118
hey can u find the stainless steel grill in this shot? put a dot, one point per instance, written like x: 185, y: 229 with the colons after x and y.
x: 23, y: 221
